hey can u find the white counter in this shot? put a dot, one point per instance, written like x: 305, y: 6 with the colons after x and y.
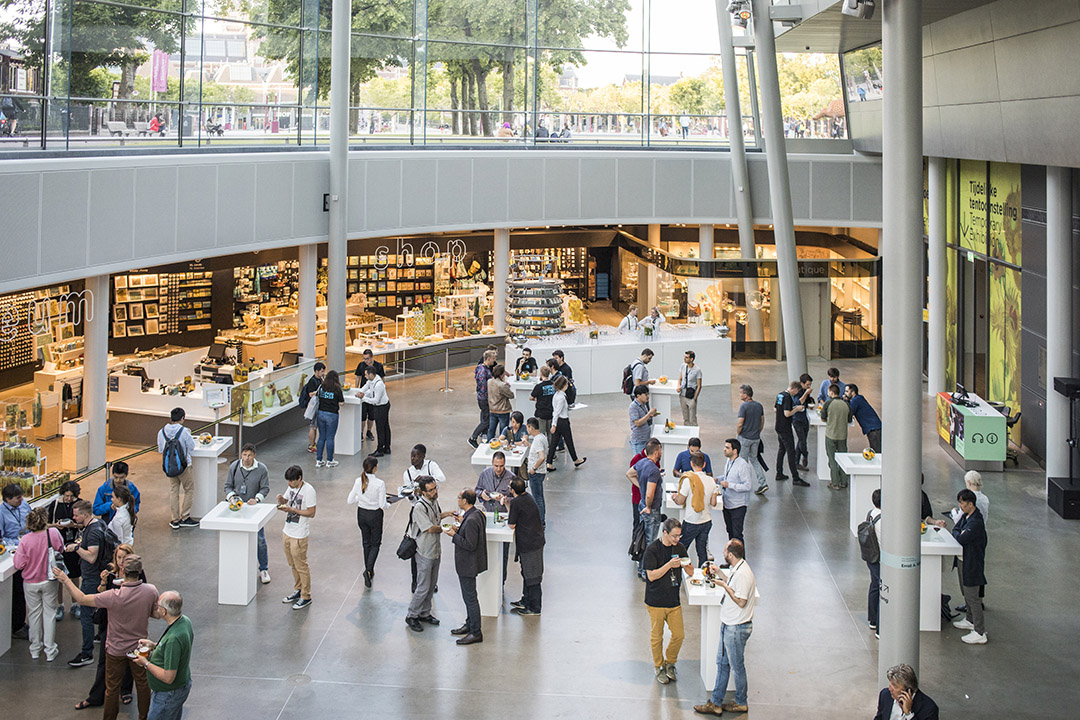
x: 864, y: 476
x: 7, y: 569
x: 938, y: 547
x: 237, y: 544
x: 514, y: 458
x: 204, y: 462
x: 489, y: 584
x: 708, y: 599
x: 673, y: 442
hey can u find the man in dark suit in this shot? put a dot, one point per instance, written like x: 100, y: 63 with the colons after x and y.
x: 970, y: 532
x: 903, y: 693
x: 470, y: 559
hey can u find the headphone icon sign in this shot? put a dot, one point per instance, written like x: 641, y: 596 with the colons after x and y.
x: 977, y: 438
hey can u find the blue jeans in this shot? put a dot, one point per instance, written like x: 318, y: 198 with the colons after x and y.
x: 260, y: 550
x: 637, y: 447
x: 497, y: 422
x: 729, y: 659
x: 89, y: 586
x: 327, y: 423
x: 168, y: 704
x: 749, y: 453
x: 652, y: 529
x: 536, y: 487
x: 699, y: 532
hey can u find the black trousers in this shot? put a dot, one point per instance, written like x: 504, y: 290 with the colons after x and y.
x: 381, y: 415
x: 96, y: 696
x: 733, y: 520
x: 562, y: 433
x: 18, y: 602
x: 873, y: 438
x: 370, y: 523
x: 485, y: 415
x: 786, y: 447
x: 531, y: 595
x: 802, y: 430
x: 472, y: 604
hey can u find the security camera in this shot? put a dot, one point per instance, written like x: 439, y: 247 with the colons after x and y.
x: 863, y: 9
x: 740, y: 13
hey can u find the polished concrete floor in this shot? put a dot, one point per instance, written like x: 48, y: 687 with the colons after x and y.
x: 811, y: 655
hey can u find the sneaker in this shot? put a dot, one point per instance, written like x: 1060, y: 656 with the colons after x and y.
x: 734, y: 707
x: 873, y: 626
x: 472, y: 441
x: 189, y: 522
x: 311, y: 448
x: 525, y: 612
x: 318, y: 463
x: 974, y: 638
x: 707, y: 708
x: 59, y: 613
x: 301, y: 603
x: 520, y: 605
x: 799, y: 482
x: 22, y: 633
x: 332, y: 463
x: 761, y: 490
x: 174, y: 524
x: 49, y: 657
x: 264, y: 577
x: 414, y: 624
x: 291, y: 598
x: 963, y: 625
x: 76, y: 610
x: 81, y: 660
x: 661, y: 675
x: 781, y: 477
x: 670, y: 669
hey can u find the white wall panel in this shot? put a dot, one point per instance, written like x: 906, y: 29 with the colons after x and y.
x: 455, y: 192
x: 65, y: 203
x: 197, y: 198
x: 712, y: 188
x: 674, y: 188
x: 420, y: 179
x: 20, y: 207
x: 562, y: 188
x: 598, y: 187
x: 236, y: 204
x: 382, y: 195
x: 491, y: 202
x: 526, y: 187
x: 311, y: 180
x: 112, y: 215
x: 273, y: 217
x: 155, y: 210
x: 635, y: 196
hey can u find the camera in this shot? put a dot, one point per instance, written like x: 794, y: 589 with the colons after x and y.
x: 862, y: 9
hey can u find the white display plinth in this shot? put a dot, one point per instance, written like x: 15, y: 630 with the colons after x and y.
x: 671, y: 508
x: 937, y: 545
x: 514, y: 458
x: 822, y: 458
x: 489, y: 584
x: 7, y: 569
x: 673, y: 442
x: 238, y: 537
x: 708, y: 599
x: 523, y: 401
x: 864, y: 476
x: 204, y: 462
x: 349, y: 439
x: 660, y: 399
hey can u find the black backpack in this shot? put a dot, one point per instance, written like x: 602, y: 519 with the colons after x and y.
x: 173, y: 460
x: 628, y: 378
x: 868, y: 544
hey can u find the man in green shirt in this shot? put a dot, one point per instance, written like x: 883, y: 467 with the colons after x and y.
x: 837, y: 414
x: 168, y: 668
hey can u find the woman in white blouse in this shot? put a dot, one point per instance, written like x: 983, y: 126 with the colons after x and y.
x: 560, y: 425
x: 369, y: 494
x: 123, y: 522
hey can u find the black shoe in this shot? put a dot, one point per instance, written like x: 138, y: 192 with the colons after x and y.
x: 463, y: 630
x: 519, y: 604
x: 525, y: 612
x: 414, y: 624
x: 780, y: 477
x: 367, y: 579
x: 800, y: 482
x: 81, y: 660
x: 174, y: 524
x: 289, y: 599
x: 22, y: 633
x: 960, y: 608
x: 378, y: 454
x: 429, y: 619
x: 370, y: 435
x: 471, y: 639
x: 189, y: 522
x: 412, y: 588
x: 579, y: 463
x: 436, y: 589
x: 472, y: 441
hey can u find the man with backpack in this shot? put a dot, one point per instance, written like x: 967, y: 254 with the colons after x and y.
x: 637, y: 372
x: 175, y: 444
x: 313, y: 384
x: 869, y: 533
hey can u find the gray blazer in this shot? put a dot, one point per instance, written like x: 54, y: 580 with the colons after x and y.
x: 470, y: 544
x: 256, y: 484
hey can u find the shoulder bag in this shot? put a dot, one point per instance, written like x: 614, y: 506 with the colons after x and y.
x: 407, y: 547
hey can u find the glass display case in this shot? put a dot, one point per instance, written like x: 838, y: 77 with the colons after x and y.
x: 270, y: 393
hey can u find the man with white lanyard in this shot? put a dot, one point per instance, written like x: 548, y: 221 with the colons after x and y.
x: 736, y: 624
x: 374, y: 391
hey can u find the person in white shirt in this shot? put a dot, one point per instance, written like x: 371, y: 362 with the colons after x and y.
x: 630, y: 322
x: 702, y: 492
x: 123, y: 522
x: 369, y: 494
x: 654, y: 321
x: 736, y: 624
x: 181, y: 514
x: 420, y: 465
x: 535, y: 464
x: 689, y: 388
x: 374, y: 394
x: 560, y: 425
x: 298, y: 504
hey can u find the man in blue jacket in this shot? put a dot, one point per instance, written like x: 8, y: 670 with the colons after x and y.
x: 103, y: 500
x: 865, y: 415
x: 970, y: 532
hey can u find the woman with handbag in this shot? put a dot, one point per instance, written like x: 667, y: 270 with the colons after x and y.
x: 331, y: 398
x: 62, y: 517
x: 37, y: 552
x: 369, y: 494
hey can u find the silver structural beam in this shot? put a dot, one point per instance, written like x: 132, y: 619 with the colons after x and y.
x: 337, y: 250
x: 306, y: 302
x: 96, y: 365
x: 1059, y: 321
x: 739, y: 175
x: 935, y: 365
x: 901, y: 357
x: 772, y: 120
x: 500, y: 273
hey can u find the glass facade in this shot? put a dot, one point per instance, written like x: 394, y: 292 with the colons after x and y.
x: 100, y: 74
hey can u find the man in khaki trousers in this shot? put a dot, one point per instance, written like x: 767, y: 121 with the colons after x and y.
x: 298, y: 504
x: 181, y: 514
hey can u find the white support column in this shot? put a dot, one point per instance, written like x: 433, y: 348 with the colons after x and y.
x: 705, y: 242
x: 305, y: 310
x: 96, y: 366
x: 772, y: 120
x: 1059, y: 321
x: 901, y: 361
x: 499, y: 275
x: 935, y: 365
x: 337, y: 250
x: 654, y: 236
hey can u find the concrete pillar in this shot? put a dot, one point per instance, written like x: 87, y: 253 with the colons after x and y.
x: 705, y: 242
x: 96, y: 365
x: 500, y: 273
x: 1059, y: 321
x: 654, y: 236
x: 772, y: 118
x: 337, y: 250
x: 901, y: 363
x: 305, y: 306
x: 935, y: 365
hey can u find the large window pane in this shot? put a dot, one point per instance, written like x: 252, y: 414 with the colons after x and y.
x: 810, y: 95
x: 687, y: 26
x: 22, y: 79
x: 480, y: 86
x: 592, y: 24
x: 493, y: 22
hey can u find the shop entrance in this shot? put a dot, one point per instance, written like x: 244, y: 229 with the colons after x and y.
x: 816, y: 305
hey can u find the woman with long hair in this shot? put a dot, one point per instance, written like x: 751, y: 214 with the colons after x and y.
x: 32, y: 557
x: 123, y: 522
x: 560, y: 428
x: 331, y: 398
x: 500, y: 395
x: 62, y: 517
x: 369, y: 494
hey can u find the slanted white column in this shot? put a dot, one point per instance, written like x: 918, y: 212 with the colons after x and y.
x: 936, y: 280
x: 705, y: 242
x: 95, y: 364
x: 337, y: 250
x: 1059, y: 321
x: 499, y: 276
x: 305, y: 307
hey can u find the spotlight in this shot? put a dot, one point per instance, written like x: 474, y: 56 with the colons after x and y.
x: 863, y: 9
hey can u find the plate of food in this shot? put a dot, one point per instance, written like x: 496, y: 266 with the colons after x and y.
x: 696, y: 581
x: 206, y: 438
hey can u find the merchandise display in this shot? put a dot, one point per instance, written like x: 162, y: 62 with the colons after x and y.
x: 534, y: 299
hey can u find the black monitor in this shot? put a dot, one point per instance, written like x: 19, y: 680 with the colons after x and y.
x: 961, y: 391
x: 222, y: 379
x: 139, y: 372
x: 217, y: 352
x: 289, y: 358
